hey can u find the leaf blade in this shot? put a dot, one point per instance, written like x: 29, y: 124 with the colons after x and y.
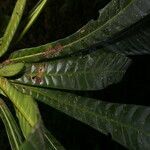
x: 93, y: 71
x: 12, y: 26
x: 24, y: 105
x: 29, y: 119
x: 95, y: 32
x: 128, y: 124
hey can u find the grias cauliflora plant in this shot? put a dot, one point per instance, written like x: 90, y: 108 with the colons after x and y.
x: 91, y: 59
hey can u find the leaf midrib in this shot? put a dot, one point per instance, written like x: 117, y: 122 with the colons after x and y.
x: 76, y: 41
x: 90, y: 112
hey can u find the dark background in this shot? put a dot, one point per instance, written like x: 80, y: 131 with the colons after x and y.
x: 59, y: 19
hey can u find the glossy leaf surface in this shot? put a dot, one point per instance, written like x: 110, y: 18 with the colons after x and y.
x: 128, y: 124
x: 90, y: 72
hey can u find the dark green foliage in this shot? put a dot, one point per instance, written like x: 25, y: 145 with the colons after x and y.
x: 71, y: 73
x: 90, y: 72
x: 128, y: 124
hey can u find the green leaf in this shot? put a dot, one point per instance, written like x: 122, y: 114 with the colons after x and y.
x: 129, y: 125
x: 11, y: 69
x: 29, y: 119
x: 13, y: 131
x: 26, y: 109
x: 28, y: 22
x: 116, y: 17
x: 48, y: 142
x: 90, y: 72
x: 135, y: 41
x: 12, y: 26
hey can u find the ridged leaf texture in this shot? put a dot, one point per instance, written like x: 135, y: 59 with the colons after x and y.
x: 12, y: 26
x: 88, y: 72
x: 13, y: 131
x: 128, y: 124
x: 116, y: 17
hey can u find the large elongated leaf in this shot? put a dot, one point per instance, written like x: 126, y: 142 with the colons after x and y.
x: 12, y: 26
x: 114, y: 18
x: 13, y: 131
x: 128, y: 124
x: 27, y: 111
x: 90, y: 72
